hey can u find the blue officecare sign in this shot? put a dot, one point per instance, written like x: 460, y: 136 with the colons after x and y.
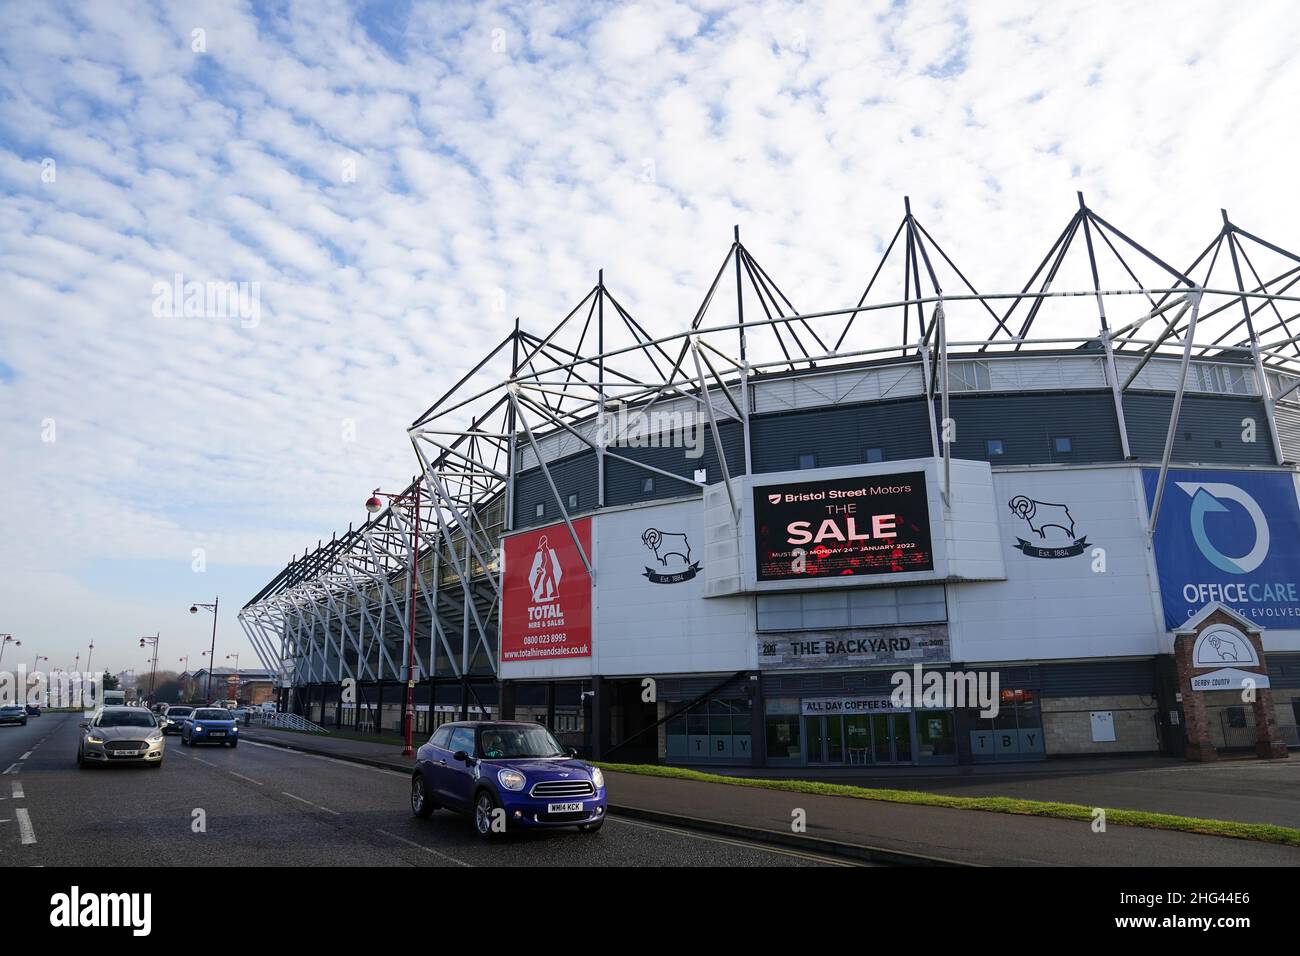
x: 1228, y: 536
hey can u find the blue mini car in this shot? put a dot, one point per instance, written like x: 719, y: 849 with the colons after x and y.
x: 210, y: 725
x: 507, y: 776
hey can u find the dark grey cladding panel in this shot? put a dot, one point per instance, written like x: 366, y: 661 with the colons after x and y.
x: 1284, y: 670
x: 575, y: 473
x: 623, y: 481
x: 1028, y: 425
x: 840, y: 435
x: 1213, y: 422
x: 1098, y: 678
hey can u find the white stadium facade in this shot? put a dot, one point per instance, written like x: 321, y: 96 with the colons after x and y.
x: 722, y: 544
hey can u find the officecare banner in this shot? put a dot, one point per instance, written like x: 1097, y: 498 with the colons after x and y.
x: 1231, y: 537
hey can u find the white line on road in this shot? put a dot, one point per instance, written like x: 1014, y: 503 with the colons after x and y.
x: 25, y: 826
x: 12, y: 768
x: 242, y: 777
x: 345, y: 763
x: 18, y: 791
x: 426, y: 849
x: 309, y: 803
x: 25, y: 756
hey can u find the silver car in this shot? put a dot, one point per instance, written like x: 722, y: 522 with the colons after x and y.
x: 121, y: 735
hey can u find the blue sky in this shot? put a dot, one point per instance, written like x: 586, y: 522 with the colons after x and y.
x: 401, y: 179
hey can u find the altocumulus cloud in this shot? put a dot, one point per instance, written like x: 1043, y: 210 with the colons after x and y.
x: 401, y: 180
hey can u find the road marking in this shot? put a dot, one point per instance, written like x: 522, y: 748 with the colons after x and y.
x: 309, y: 803
x: 18, y: 791
x: 208, y: 762
x: 242, y: 777
x: 25, y: 826
x: 12, y: 768
x: 346, y: 763
x: 25, y: 756
x: 426, y: 849
x: 830, y: 861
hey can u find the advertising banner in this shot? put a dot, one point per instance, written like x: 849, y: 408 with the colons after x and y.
x: 1231, y: 537
x: 546, y: 595
x: 877, y: 524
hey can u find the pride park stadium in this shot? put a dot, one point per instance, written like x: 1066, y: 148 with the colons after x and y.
x: 781, y: 538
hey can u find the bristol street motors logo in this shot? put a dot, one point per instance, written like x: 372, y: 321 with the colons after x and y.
x: 1207, y: 498
x: 668, y: 545
x: 1044, y: 515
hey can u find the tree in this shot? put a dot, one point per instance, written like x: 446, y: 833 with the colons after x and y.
x: 110, y: 682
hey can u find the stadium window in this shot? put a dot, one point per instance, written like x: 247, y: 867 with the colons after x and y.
x: 647, y: 486
x: 994, y: 448
x: 875, y: 454
x: 541, y: 509
x: 807, y: 461
x: 573, y: 501
x: 1063, y: 445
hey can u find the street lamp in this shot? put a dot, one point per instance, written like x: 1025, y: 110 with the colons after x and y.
x: 153, y: 671
x: 5, y: 640
x: 409, y: 500
x: 212, y: 654
x: 89, y: 657
x: 236, y: 657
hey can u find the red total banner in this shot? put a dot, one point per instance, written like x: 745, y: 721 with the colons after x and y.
x: 546, y: 598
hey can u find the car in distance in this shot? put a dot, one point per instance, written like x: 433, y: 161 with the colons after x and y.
x: 33, y: 710
x: 120, y: 735
x: 13, y: 714
x: 175, y: 718
x: 508, y: 776
x: 210, y: 725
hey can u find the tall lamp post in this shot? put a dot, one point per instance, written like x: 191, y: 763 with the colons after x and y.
x: 36, y: 666
x: 236, y: 657
x: 89, y: 656
x: 409, y: 500
x: 153, y: 671
x: 5, y: 641
x: 212, y: 653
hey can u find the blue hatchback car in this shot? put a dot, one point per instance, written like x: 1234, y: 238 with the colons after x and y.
x: 507, y: 776
x: 210, y: 725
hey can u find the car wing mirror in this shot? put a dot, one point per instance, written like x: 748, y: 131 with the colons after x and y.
x: 573, y: 751
x: 84, y: 725
x: 461, y: 756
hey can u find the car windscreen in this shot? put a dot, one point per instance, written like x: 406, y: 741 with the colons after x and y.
x: 125, y: 718
x: 179, y: 712
x: 507, y: 742
x: 10, y: 709
x: 213, y: 714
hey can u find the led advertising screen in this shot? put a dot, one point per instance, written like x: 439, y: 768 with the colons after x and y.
x: 877, y: 524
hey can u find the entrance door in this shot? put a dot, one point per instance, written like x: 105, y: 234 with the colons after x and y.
x: 857, y: 739
x: 814, y: 739
x: 891, y: 738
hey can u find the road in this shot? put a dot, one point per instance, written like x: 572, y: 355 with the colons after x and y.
x: 257, y: 805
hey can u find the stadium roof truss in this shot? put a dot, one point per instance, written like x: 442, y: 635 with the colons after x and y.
x: 342, y: 610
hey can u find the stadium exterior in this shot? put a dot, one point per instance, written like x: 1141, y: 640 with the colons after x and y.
x: 719, y: 545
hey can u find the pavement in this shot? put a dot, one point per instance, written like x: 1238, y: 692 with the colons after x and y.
x: 260, y: 805
x: 1254, y: 791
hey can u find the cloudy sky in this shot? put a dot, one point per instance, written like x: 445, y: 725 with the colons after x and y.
x: 400, y: 180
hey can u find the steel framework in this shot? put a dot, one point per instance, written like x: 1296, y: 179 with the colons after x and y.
x: 340, y: 610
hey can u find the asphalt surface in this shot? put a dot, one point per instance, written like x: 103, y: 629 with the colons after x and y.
x: 257, y: 805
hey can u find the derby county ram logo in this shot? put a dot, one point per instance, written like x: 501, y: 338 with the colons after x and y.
x: 1042, y: 516
x: 673, y: 552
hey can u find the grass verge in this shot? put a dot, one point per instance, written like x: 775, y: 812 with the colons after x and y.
x: 1260, y: 832
x: 393, y: 741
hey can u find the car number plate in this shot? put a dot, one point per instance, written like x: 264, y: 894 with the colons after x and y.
x: 216, y: 733
x: 563, y: 807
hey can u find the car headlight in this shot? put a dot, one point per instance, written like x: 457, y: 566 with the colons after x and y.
x: 156, y: 738
x: 92, y: 739
x: 198, y: 726
x: 234, y: 730
x: 597, y: 778
x: 511, y: 779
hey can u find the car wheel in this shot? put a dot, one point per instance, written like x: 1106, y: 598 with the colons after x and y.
x: 485, y: 807
x: 157, y: 765
x: 421, y: 805
x: 591, y: 827
x: 234, y: 743
x: 81, y: 761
